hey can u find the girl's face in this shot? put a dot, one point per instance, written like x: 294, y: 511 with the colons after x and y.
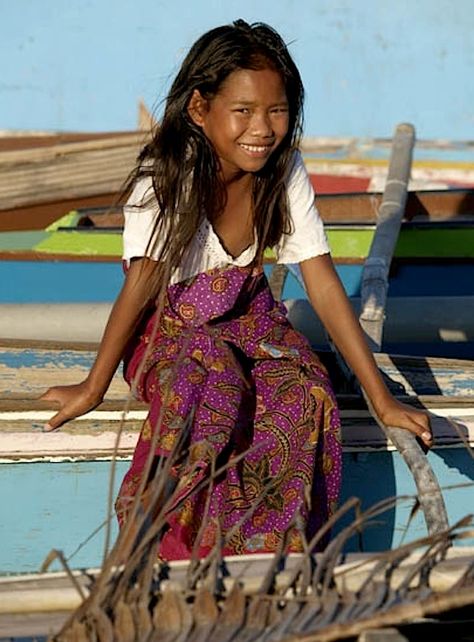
x: 245, y: 121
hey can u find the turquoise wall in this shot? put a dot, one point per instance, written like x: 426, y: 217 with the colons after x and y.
x: 366, y: 64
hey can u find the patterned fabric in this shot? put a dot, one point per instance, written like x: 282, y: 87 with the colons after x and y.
x: 225, y: 354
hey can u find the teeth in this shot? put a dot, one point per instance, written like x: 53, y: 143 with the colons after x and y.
x: 255, y: 148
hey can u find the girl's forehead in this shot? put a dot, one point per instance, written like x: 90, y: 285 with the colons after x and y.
x: 249, y: 81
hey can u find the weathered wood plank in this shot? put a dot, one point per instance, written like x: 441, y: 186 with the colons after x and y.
x: 26, y: 372
x: 38, y: 604
x: 39, y: 154
x: 433, y: 205
x: 32, y: 371
x: 23, y: 439
x: 18, y: 626
x: 28, y: 367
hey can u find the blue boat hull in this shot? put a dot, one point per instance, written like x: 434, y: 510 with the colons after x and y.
x: 82, y: 281
x: 59, y: 505
x: 430, y: 307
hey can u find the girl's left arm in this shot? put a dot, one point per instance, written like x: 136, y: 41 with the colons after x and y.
x: 331, y: 304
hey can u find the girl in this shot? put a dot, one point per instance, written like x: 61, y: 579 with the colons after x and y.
x: 221, y: 180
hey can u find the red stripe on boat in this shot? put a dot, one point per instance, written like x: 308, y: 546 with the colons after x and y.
x: 330, y: 184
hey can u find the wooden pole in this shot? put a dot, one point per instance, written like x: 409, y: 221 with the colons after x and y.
x: 375, y: 274
x: 374, y: 297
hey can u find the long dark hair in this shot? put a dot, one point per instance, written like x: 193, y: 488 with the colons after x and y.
x: 181, y: 160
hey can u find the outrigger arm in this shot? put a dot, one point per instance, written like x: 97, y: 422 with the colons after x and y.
x: 373, y: 300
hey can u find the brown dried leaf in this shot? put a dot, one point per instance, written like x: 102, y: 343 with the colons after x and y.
x: 171, y: 616
x: 124, y: 625
x: 101, y: 624
x: 205, y: 609
x: 143, y: 621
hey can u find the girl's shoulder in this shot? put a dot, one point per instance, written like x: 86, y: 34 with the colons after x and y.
x: 142, y: 193
x: 299, y: 186
x: 297, y: 170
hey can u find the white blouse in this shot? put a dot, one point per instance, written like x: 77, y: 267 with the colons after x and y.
x: 306, y: 240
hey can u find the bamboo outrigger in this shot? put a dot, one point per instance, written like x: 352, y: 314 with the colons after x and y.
x: 306, y: 598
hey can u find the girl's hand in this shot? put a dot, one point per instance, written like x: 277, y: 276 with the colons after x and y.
x: 73, y: 401
x: 393, y: 413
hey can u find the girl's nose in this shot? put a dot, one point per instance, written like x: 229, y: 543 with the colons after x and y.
x: 261, y: 124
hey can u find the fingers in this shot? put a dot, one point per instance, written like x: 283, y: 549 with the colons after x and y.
x: 56, y: 421
x: 419, y: 425
x: 410, y: 419
x: 423, y: 428
x: 71, y: 401
x: 68, y: 410
x: 49, y: 395
x: 61, y: 417
x: 423, y: 433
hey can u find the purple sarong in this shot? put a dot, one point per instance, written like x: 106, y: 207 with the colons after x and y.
x: 225, y: 354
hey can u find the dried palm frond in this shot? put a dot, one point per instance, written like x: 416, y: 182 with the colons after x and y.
x: 307, y: 597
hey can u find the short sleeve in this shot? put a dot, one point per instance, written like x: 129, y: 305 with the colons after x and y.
x: 140, y: 213
x: 307, y: 238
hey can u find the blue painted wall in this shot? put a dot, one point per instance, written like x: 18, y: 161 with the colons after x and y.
x: 366, y: 64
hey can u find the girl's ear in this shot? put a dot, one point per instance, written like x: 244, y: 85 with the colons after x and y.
x: 197, y: 108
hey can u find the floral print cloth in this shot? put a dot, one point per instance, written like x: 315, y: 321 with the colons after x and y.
x: 224, y: 354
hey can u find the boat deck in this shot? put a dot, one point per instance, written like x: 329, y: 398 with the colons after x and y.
x: 444, y: 387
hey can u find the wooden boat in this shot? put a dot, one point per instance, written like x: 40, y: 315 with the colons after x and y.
x: 45, y: 175
x: 76, y: 261
x: 40, y: 605
x: 438, y: 225
x: 72, y: 468
x: 108, y: 607
x: 42, y: 177
x: 431, y: 273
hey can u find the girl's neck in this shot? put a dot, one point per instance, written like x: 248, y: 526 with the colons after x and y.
x: 238, y: 195
x: 234, y: 225
x: 238, y: 181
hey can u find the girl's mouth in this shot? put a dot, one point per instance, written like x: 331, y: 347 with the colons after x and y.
x: 258, y: 150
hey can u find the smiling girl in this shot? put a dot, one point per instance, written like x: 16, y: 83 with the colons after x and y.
x: 203, y: 341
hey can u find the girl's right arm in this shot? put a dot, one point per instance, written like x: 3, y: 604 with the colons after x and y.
x: 76, y: 400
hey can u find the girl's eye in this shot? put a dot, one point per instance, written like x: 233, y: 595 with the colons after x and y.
x: 280, y: 110
x: 243, y: 110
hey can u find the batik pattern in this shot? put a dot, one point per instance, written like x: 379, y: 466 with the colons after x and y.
x: 225, y: 355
